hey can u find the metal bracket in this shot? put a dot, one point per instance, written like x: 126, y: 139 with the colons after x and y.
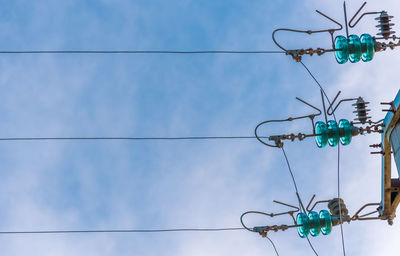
x: 364, y: 14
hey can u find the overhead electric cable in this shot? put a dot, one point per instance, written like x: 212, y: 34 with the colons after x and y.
x: 319, y: 85
x: 312, y: 247
x: 135, y: 52
x: 301, y: 206
x: 273, y: 245
x: 340, y: 208
x: 120, y: 231
x: 131, y: 138
x: 338, y: 158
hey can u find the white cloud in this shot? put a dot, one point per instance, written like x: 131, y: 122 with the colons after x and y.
x: 67, y: 185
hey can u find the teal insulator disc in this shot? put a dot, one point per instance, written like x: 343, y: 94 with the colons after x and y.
x: 333, y: 132
x: 322, y: 130
x: 342, y: 45
x: 354, y: 48
x: 304, y: 222
x: 315, y: 223
x: 345, y: 128
x: 368, y: 47
x: 326, y: 222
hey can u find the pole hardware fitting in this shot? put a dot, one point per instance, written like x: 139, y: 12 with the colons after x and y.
x: 384, y: 22
x: 360, y: 106
x: 298, y: 53
x: 392, y: 106
x: 378, y: 152
x: 263, y: 230
x: 375, y: 128
x: 376, y: 145
x: 383, y: 46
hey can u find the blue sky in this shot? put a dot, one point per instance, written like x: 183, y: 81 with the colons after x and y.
x: 125, y: 184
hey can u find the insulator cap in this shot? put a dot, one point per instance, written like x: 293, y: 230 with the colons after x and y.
x: 322, y: 130
x: 304, y: 224
x: 326, y: 222
x: 368, y: 47
x: 355, y: 48
x: 345, y: 128
x: 333, y: 131
x: 315, y: 223
x: 342, y: 49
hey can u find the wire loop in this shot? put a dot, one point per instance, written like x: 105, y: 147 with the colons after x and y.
x: 277, y: 139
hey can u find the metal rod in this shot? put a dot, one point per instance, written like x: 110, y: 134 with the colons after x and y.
x: 301, y: 203
x: 367, y: 214
x: 309, y: 32
x: 308, y: 104
x: 288, y: 205
x: 323, y: 104
x: 356, y: 215
x: 345, y: 18
x: 318, y: 202
x: 364, y: 14
x: 312, y: 198
x: 330, y: 110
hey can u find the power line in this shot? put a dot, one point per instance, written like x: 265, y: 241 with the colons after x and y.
x: 291, y: 173
x: 312, y: 247
x: 135, y: 52
x: 340, y: 209
x: 319, y: 85
x: 273, y: 245
x: 301, y: 206
x: 338, y: 158
x: 120, y: 231
x: 131, y: 138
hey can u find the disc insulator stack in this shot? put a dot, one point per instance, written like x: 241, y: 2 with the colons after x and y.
x: 361, y: 110
x: 384, y: 25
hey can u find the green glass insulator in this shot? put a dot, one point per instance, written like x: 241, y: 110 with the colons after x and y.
x: 322, y: 130
x: 345, y: 128
x: 326, y: 222
x: 354, y: 48
x: 304, y: 224
x: 342, y: 45
x: 315, y: 223
x: 368, y: 47
x: 333, y: 131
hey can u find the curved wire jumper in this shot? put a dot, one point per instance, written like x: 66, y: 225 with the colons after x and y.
x: 277, y: 139
x: 263, y: 230
x: 297, y: 54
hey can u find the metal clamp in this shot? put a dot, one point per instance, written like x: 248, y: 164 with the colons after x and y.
x: 297, y: 54
x: 263, y: 230
x: 278, y: 138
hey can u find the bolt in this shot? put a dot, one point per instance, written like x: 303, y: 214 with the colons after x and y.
x: 376, y: 145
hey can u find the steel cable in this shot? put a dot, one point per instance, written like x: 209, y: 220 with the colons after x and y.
x: 130, y: 138
x: 301, y: 206
x: 135, y: 52
x: 273, y: 245
x: 338, y: 157
x: 120, y: 231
